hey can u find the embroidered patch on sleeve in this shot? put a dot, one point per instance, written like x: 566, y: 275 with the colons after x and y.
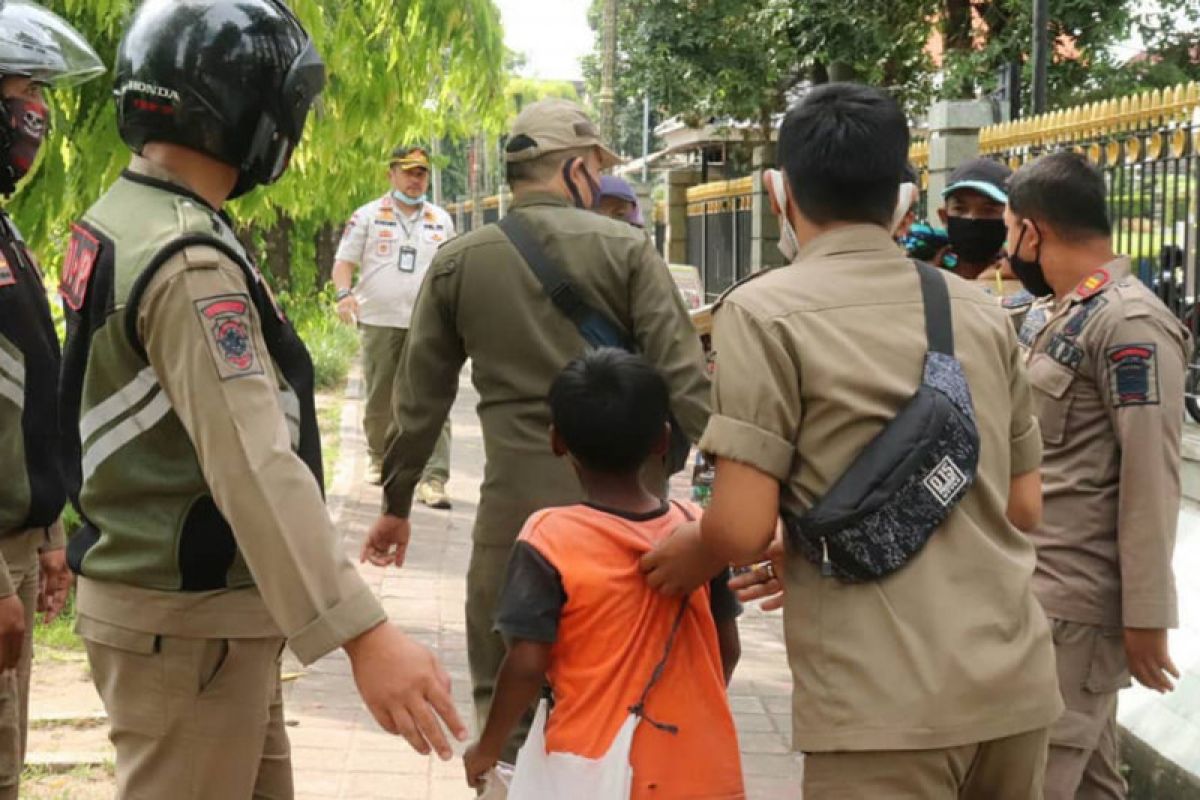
x: 82, y: 253
x: 1133, y: 375
x: 228, y: 322
x: 7, y: 276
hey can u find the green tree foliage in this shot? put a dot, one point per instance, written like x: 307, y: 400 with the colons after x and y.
x: 744, y: 58
x: 399, y: 70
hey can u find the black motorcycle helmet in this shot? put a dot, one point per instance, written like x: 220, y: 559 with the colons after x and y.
x: 234, y: 79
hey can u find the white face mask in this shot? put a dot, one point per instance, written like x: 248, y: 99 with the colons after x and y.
x: 789, y: 245
x: 908, y: 196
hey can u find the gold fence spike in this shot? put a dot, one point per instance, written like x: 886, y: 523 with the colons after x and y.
x: 1096, y: 154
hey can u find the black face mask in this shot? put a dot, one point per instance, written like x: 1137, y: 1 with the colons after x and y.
x: 575, y: 195
x: 976, y: 241
x: 24, y: 124
x: 1030, y: 273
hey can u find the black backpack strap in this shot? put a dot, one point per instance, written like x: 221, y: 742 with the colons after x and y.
x: 939, y: 330
x: 597, y: 329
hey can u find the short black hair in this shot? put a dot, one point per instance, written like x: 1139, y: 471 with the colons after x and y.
x: 609, y: 407
x: 844, y: 149
x: 1065, y: 191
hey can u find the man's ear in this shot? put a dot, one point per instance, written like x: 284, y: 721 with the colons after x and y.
x: 557, y: 445
x: 944, y: 216
x: 662, y: 445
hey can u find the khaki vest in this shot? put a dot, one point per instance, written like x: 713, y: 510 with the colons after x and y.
x: 132, y: 471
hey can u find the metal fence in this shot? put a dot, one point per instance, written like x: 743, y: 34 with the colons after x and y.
x: 719, y: 220
x: 1148, y: 147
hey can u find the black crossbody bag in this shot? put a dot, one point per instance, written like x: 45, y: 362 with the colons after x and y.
x: 593, y: 325
x: 907, y: 480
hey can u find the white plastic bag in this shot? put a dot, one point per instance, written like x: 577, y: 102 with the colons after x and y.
x: 497, y: 782
x: 540, y: 775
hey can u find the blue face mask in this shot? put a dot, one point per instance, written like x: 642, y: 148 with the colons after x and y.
x: 401, y: 197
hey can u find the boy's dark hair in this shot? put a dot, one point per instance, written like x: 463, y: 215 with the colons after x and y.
x: 1065, y: 191
x: 609, y: 407
x: 844, y: 149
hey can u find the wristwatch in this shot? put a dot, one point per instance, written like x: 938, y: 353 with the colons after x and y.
x: 342, y: 294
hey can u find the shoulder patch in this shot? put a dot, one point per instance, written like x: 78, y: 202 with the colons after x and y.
x: 1035, y: 320
x: 1093, y: 283
x: 227, y: 321
x: 82, y: 254
x: 1133, y: 374
x: 1021, y: 299
x: 1079, y: 319
x: 7, y: 276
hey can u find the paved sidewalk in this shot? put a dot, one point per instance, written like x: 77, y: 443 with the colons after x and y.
x: 339, y: 752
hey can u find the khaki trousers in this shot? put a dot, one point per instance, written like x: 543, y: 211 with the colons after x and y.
x: 1084, y: 761
x: 1004, y: 769
x: 21, y: 555
x: 381, y: 360
x: 192, y: 719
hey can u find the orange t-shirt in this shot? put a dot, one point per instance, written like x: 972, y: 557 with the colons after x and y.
x: 574, y: 581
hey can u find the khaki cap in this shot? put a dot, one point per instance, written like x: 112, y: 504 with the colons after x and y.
x: 548, y: 126
x: 410, y: 158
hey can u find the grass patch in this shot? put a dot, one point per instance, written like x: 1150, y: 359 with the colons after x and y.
x: 82, y: 782
x: 329, y: 420
x: 331, y: 343
x: 60, y: 634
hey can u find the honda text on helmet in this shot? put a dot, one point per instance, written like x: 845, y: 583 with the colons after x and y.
x: 39, y: 45
x: 238, y: 87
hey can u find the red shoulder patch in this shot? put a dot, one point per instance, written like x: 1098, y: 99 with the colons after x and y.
x: 82, y: 254
x: 227, y: 319
x: 1093, y: 283
x: 7, y: 276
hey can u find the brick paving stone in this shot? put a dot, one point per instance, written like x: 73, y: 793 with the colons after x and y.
x: 339, y: 752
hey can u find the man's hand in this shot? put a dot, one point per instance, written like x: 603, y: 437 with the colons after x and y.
x: 55, y: 584
x: 347, y: 309
x: 405, y: 688
x: 681, y: 563
x: 478, y: 764
x: 1149, y: 660
x: 764, y: 581
x: 387, y: 542
x: 12, y: 632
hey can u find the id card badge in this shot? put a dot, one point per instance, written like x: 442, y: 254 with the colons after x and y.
x: 408, y: 259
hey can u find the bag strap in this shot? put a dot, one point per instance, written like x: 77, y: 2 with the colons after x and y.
x: 596, y: 328
x: 639, y: 708
x: 939, y: 329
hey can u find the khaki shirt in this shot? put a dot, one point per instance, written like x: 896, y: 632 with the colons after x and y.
x: 813, y: 360
x: 307, y: 588
x: 482, y: 301
x: 1107, y: 364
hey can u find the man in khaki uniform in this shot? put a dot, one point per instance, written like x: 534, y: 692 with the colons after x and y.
x: 481, y: 300
x: 192, y: 446
x: 936, y: 681
x: 1107, y: 362
x: 37, y: 49
x: 392, y: 241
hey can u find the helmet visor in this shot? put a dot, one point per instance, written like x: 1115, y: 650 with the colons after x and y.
x: 39, y: 44
x: 302, y: 86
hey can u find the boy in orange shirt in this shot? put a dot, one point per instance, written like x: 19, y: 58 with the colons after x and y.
x: 579, y: 615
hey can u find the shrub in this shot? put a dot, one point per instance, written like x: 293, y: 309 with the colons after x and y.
x: 332, y: 344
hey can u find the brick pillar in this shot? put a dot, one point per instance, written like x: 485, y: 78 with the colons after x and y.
x: 953, y: 140
x: 678, y: 181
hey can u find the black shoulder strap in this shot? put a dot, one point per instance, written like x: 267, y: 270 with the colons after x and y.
x: 939, y: 330
x: 596, y: 328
